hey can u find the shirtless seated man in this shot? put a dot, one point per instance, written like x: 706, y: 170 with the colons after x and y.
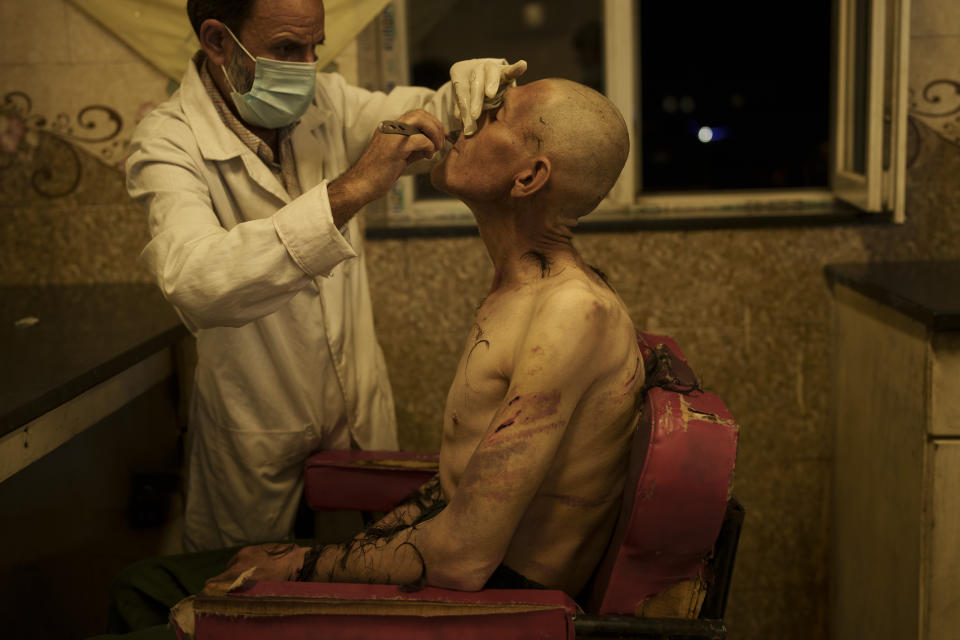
x: 538, y: 421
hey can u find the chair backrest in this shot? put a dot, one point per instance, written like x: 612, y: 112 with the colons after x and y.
x: 677, y: 487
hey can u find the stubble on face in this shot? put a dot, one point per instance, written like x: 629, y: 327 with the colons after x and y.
x: 438, y: 173
x: 240, y: 78
x: 471, y: 169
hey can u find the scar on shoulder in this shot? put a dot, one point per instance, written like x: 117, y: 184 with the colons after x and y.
x: 478, y: 337
x: 540, y: 404
x: 532, y: 407
x: 520, y: 438
x: 636, y: 369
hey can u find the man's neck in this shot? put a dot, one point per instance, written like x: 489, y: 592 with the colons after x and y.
x: 525, y: 248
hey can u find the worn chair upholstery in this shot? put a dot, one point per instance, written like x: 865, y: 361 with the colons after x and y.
x: 665, y: 574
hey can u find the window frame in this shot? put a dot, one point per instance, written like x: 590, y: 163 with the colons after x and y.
x: 880, y: 189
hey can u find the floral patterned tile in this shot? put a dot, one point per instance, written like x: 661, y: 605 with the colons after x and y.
x: 92, y: 107
x: 935, y: 84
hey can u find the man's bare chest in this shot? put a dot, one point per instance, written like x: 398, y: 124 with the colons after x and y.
x: 483, y: 374
x: 481, y: 381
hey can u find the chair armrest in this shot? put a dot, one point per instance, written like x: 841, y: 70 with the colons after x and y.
x: 365, y: 480
x: 262, y: 610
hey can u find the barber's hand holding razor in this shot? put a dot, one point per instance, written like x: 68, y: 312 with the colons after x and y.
x: 382, y: 162
x: 477, y: 84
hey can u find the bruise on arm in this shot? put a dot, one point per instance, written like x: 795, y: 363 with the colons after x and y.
x: 531, y: 407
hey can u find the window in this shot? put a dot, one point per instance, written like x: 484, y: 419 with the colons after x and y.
x: 735, y: 109
x: 870, y: 104
x: 733, y: 95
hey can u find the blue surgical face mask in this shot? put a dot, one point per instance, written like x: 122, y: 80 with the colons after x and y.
x: 280, y: 94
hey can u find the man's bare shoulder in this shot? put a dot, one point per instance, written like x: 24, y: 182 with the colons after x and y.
x: 585, y: 324
x: 580, y: 304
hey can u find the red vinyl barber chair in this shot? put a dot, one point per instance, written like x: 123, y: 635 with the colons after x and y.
x: 666, y: 572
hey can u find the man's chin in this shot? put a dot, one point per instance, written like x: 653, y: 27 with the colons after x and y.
x: 438, y: 177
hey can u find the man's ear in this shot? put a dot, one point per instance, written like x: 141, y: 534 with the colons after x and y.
x: 532, y: 178
x: 215, y: 41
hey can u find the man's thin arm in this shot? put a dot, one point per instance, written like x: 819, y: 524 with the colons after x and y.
x: 425, y: 502
x: 349, y: 561
x: 382, y: 162
x: 362, y: 559
x: 346, y: 199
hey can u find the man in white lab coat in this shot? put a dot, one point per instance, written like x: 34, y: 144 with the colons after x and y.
x: 251, y: 174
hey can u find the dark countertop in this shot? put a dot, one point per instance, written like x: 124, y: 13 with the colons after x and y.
x: 926, y: 291
x: 86, y: 334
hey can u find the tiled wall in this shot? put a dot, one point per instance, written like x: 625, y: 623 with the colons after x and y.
x: 750, y: 307
x: 70, y: 96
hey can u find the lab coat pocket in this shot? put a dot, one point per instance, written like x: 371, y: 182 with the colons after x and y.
x: 255, y: 451
x: 251, y: 482
x: 269, y: 450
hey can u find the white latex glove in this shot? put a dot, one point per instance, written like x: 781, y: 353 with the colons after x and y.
x: 477, y: 84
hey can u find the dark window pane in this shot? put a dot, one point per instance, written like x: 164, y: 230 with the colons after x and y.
x: 559, y: 38
x: 734, y: 95
x: 857, y: 148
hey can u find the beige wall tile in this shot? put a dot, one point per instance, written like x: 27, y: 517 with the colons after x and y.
x: 934, y: 17
x: 784, y: 614
x: 33, y: 32
x: 50, y: 244
x: 784, y: 540
x: 123, y: 86
x: 89, y: 42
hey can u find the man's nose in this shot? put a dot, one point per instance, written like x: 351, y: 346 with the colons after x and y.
x: 310, y: 55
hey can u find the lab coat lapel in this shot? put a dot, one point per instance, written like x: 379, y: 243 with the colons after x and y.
x: 309, y: 146
x: 261, y: 174
x: 310, y: 141
x: 216, y: 141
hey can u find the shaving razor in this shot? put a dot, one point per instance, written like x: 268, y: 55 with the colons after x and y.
x: 404, y: 129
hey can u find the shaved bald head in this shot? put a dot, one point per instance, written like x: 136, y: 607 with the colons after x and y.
x: 586, y: 139
x: 553, y: 149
